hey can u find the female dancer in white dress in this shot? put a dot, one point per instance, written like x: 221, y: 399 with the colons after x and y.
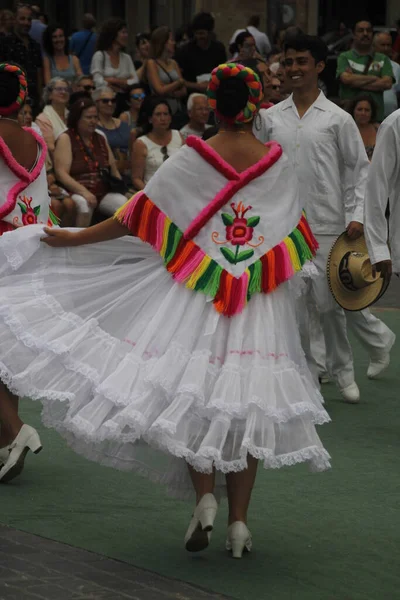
x: 23, y: 201
x: 186, y: 344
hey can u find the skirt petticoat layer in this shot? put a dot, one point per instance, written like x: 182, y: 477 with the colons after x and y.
x: 128, y: 363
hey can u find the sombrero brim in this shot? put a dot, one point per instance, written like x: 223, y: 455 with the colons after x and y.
x: 348, y: 299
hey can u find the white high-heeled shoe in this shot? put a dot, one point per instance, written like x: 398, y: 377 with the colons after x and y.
x: 200, y: 527
x: 4, y: 453
x: 27, y: 439
x: 238, y: 539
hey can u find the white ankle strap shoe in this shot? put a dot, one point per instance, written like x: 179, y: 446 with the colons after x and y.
x: 27, y: 439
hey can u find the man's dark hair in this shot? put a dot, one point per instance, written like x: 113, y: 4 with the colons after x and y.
x: 142, y: 36
x: 203, y: 20
x: 315, y: 46
x: 254, y: 21
x: 88, y: 21
x: 239, y: 41
x: 366, y: 19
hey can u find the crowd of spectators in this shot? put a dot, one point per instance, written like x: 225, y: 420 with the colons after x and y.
x: 111, y: 117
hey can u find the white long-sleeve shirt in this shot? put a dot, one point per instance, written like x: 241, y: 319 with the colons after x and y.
x: 383, y: 183
x: 101, y: 68
x: 328, y: 155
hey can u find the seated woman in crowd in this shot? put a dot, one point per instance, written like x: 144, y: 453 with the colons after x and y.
x: 57, y: 62
x: 52, y: 122
x: 160, y: 141
x: 82, y: 161
x: 198, y: 112
x: 53, y: 119
x: 363, y: 110
x: 116, y: 131
x: 164, y: 75
x: 111, y: 65
x: 136, y: 96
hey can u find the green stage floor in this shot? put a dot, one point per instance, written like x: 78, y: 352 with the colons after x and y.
x: 329, y: 536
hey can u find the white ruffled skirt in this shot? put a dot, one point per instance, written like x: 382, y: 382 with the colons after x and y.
x: 128, y: 363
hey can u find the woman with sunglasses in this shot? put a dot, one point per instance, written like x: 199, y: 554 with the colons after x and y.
x: 136, y: 96
x: 57, y: 62
x: 116, y: 131
x: 52, y: 122
x: 151, y: 150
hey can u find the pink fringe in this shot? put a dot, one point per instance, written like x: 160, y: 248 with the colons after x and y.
x: 160, y: 231
x: 189, y: 266
x: 288, y: 267
x: 244, y: 281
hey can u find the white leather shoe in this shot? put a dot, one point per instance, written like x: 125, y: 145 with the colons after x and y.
x: 376, y: 367
x: 27, y: 439
x: 238, y: 539
x: 200, y: 527
x: 4, y: 452
x: 351, y: 393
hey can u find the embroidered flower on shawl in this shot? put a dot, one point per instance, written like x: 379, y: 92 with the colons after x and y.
x: 239, y: 232
x: 29, y: 214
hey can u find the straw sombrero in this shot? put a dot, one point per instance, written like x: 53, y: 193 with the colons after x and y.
x: 350, y: 277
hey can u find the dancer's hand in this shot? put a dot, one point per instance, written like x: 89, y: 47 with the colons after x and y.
x: 59, y: 238
x: 355, y: 230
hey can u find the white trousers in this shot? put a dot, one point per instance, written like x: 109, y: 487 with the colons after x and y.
x: 110, y: 203
x: 327, y: 326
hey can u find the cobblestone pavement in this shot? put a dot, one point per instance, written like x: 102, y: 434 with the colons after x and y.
x: 32, y: 568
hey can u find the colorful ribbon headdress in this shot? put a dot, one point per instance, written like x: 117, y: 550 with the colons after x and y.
x: 254, y: 86
x: 23, y: 89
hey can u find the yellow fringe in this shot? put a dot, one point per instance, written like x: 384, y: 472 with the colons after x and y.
x: 167, y: 225
x: 294, y: 257
x: 198, y: 272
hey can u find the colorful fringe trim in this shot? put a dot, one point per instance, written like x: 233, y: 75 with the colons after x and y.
x: 190, y: 265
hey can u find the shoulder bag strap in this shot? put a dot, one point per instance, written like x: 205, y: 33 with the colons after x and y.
x: 81, y: 51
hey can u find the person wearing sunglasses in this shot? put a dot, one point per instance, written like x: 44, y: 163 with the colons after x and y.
x: 52, y: 121
x: 116, y: 131
x: 84, y: 83
x: 160, y: 141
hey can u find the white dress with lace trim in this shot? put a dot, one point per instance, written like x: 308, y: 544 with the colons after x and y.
x: 137, y: 372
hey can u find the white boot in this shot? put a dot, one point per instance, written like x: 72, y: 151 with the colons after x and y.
x: 198, y: 534
x: 351, y: 393
x: 27, y: 439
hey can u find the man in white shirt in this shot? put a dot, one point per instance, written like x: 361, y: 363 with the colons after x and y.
x: 262, y: 41
x: 383, y: 44
x: 383, y: 183
x: 329, y: 157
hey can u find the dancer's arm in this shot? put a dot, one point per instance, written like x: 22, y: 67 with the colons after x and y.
x: 108, y: 230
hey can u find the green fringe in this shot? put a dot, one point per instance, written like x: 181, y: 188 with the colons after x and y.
x: 174, y: 236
